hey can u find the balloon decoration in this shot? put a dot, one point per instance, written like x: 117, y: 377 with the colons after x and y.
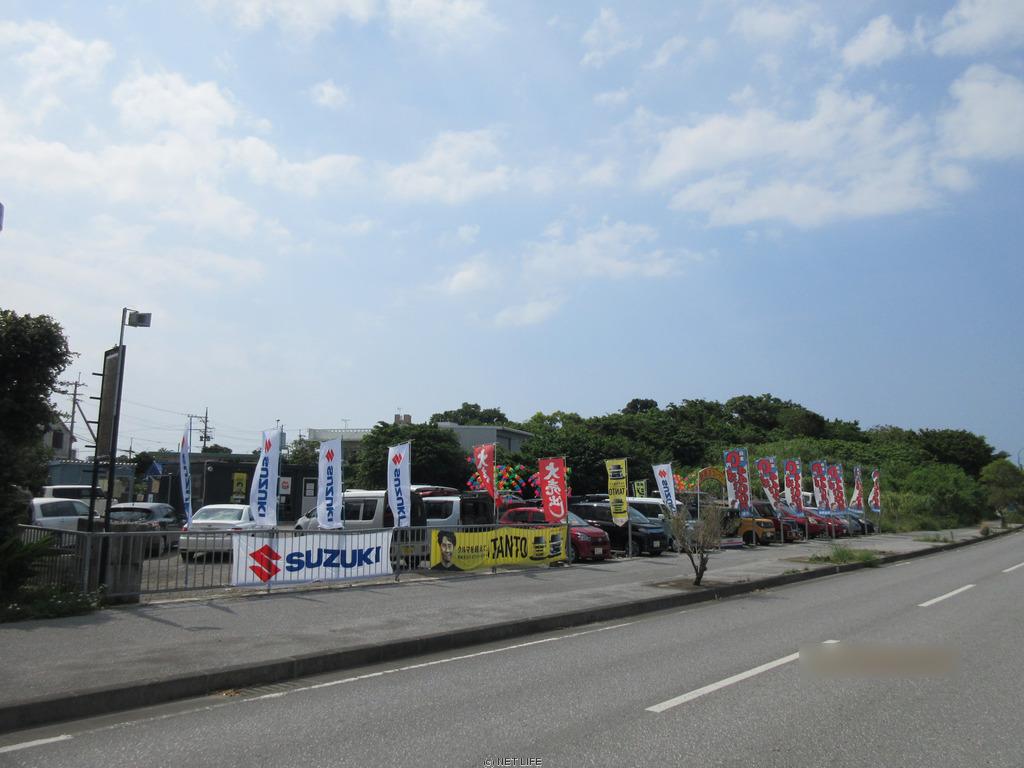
x: 511, y: 477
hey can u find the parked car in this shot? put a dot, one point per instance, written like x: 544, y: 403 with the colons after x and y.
x: 747, y: 526
x: 785, y: 526
x: 211, y: 529
x: 654, y: 510
x: 80, y: 492
x: 861, y: 525
x: 160, y: 517
x: 57, y: 513
x: 809, y: 523
x: 646, y: 536
x: 588, y: 542
x: 835, y: 524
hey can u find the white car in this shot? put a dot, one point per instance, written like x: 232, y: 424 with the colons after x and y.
x: 212, y: 526
x: 57, y: 513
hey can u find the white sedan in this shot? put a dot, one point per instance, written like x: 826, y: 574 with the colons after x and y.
x: 212, y: 526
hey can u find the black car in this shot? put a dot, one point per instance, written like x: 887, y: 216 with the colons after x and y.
x: 646, y: 536
x: 160, y: 516
x: 858, y: 524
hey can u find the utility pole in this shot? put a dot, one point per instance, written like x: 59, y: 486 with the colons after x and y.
x: 74, y: 405
x: 205, y: 437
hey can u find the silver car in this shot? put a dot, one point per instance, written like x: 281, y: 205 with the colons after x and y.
x: 212, y: 526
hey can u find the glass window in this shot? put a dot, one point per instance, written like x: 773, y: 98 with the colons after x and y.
x: 438, y: 509
x: 58, y: 509
x: 219, y: 514
x: 353, y: 509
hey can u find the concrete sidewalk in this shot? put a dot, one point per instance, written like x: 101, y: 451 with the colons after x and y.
x: 120, y: 658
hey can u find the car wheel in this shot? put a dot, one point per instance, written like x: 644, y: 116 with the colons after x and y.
x: 748, y: 538
x: 634, y: 549
x: 186, y: 556
x: 574, y: 556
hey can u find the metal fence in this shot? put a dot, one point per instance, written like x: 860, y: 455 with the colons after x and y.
x: 130, y: 564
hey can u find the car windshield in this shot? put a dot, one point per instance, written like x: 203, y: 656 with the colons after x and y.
x: 639, y: 517
x: 575, y: 519
x: 130, y: 514
x: 223, y: 514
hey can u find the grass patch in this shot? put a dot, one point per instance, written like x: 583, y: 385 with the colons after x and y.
x: 47, y: 603
x: 933, y: 538
x: 841, y: 555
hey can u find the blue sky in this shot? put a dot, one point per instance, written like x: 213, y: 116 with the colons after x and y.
x: 336, y: 208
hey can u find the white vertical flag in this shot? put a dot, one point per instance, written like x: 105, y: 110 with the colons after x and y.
x: 400, y: 482
x: 263, y: 493
x: 185, y: 470
x: 666, y: 485
x: 329, y: 500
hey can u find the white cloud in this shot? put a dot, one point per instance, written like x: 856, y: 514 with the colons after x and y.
x: 612, y: 98
x: 53, y: 57
x: 770, y: 23
x: 606, y: 39
x: 361, y: 225
x: 328, y: 95
x: 977, y: 26
x: 468, y: 233
x: 852, y: 157
x: 306, y: 18
x: 520, y: 315
x: 668, y: 49
x: 879, y: 41
x: 612, y: 250
x: 442, y: 22
x: 458, y: 167
x: 988, y: 119
x: 148, y: 103
x: 604, y: 174
x: 261, y: 162
x: 470, y: 277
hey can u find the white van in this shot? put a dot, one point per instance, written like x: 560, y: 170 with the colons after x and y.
x: 362, y: 511
x: 80, y: 492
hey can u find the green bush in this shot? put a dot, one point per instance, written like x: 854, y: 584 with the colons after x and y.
x: 47, y: 603
x: 840, y: 555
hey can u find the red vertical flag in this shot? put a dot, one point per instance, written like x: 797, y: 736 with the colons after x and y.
x: 483, y: 459
x: 552, y: 488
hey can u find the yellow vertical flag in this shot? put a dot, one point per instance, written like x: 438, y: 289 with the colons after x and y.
x: 617, y: 485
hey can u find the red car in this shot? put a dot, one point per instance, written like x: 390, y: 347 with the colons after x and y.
x: 587, y: 541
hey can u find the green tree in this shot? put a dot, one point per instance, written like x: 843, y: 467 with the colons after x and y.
x: 1003, y: 484
x: 303, y: 451
x: 214, y: 448
x: 437, y: 458
x: 471, y: 414
x: 960, y: 447
x: 640, y: 405
x: 33, y: 352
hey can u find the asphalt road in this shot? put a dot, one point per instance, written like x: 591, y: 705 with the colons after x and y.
x: 713, y: 685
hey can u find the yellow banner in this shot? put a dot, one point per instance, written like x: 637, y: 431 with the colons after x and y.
x: 508, y: 545
x: 617, y: 484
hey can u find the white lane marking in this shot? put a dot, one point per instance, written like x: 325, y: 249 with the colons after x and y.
x: 897, y: 565
x: 940, y: 598
x: 1014, y: 568
x: 665, y: 705
x: 447, y: 660
x: 36, y: 743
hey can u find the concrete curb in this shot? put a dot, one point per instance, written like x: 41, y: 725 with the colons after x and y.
x: 103, y: 700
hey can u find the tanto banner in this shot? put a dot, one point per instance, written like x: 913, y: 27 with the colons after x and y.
x: 508, y: 545
x: 259, y: 560
x: 737, y: 480
x: 553, y: 491
x: 483, y: 460
x: 400, y: 483
x: 263, y: 491
x: 837, y: 487
x: 794, y: 483
x: 875, y: 499
x: 618, y: 482
x: 329, y: 501
x: 768, y: 472
x: 857, y: 500
x: 666, y: 486
x: 819, y: 478
x: 185, y: 469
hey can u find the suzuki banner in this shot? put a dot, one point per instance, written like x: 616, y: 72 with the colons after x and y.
x: 819, y: 479
x: 737, y: 479
x: 553, y: 490
x: 618, y: 482
x: 185, y: 469
x: 875, y: 499
x: 507, y: 545
x: 666, y: 485
x: 768, y: 472
x: 330, y: 503
x: 483, y: 460
x: 263, y: 491
x: 794, y: 480
x: 837, y: 487
x: 400, y: 483
x: 269, y: 559
x: 857, y: 500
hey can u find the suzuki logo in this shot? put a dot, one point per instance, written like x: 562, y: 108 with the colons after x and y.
x: 264, y: 568
x: 268, y: 445
x: 329, y: 455
x: 397, y: 459
x: 663, y: 474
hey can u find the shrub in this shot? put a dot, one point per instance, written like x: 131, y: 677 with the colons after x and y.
x: 840, y: 555
x: 48, y: 603
x: 984, y: 530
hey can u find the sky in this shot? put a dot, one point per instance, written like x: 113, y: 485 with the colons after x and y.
x: 339, y: 209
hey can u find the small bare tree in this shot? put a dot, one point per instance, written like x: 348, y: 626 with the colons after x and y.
x: 698, y: 538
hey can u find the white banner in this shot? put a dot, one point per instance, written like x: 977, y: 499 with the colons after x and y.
x: 399, y: 483
x: 262, y: 494
x: 330, y: 504
x: 666, y: 485
x: 260, y: 560
x: 185, y: 470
